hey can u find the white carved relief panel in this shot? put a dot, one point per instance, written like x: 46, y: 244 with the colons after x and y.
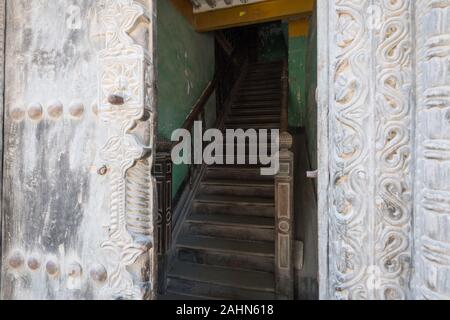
x: 370, y: 149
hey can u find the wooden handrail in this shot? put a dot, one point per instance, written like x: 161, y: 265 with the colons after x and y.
x: 199, y: 106
x: 285, y: 97
x: 224, y: 43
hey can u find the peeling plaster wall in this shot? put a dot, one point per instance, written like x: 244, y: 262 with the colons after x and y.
x: 185, y: 66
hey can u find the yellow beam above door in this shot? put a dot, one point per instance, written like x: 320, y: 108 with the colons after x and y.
x: 259, y: 12
x: 299, y: 28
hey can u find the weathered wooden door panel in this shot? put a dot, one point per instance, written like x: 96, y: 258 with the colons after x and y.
x: 77, y: 190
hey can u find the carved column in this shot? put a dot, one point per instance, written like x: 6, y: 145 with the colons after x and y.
x: 163, y: 174
x: 369, y: 207
x: 432, y: 236
x: 284, y: 208
x: 126, y: 105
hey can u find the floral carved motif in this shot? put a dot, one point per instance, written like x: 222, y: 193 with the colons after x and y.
x: 126, y: 102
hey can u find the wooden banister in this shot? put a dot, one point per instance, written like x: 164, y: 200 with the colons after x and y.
x: 199, y: 106
x: 284, y: 201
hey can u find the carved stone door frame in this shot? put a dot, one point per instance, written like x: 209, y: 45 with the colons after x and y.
x: 322, y: 143
x: 384, y: 137
x: 366, y: 144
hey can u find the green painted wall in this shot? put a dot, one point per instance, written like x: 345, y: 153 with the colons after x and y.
x: 298, y: 47
x: 311, y: 85
x: 185, y: 66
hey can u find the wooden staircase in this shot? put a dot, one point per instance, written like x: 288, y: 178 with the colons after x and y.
x: 226, y: 249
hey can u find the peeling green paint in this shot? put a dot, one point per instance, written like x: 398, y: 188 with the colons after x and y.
x: 185, y: 66
x: 311, y: 85
x: 298, y: 47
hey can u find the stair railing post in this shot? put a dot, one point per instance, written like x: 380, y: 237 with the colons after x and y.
x: 162, y: 172
x: 284, y: 206
x: 284, y: 202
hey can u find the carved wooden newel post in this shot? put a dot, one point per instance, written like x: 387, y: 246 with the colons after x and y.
x: 163, y: 174
x: 126, y: 106
x: 284, y: 203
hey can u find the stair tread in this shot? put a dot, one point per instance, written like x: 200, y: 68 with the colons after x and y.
x: 235, y: 199
x: 255, y: 104
x: 239, y: 167
x: 246, y: 126
x: 233, y: 220
x: 243, y: 247
x: 254, y: 118
x: 254, y: 280
x: 240, y: 183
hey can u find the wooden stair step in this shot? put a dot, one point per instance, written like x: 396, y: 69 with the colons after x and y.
x: 269, y: 96
x: 228, y: 226
x: 255, y: 95
x: 234, y: 205
x: 241, y: 183
x: 273, y: 79
x: 227, y: 220
x: 253, y: 119
x: 236, y: 278
x: 246, y: 126
x: 241, y: 112
x: 271, y: 74
x: 265, y: 70
x: 266, y: 249
x: 216, y: 292
x: 252, y: 87
x: 257, y: 201
x: 247, y: 172
x: 257, y: 104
